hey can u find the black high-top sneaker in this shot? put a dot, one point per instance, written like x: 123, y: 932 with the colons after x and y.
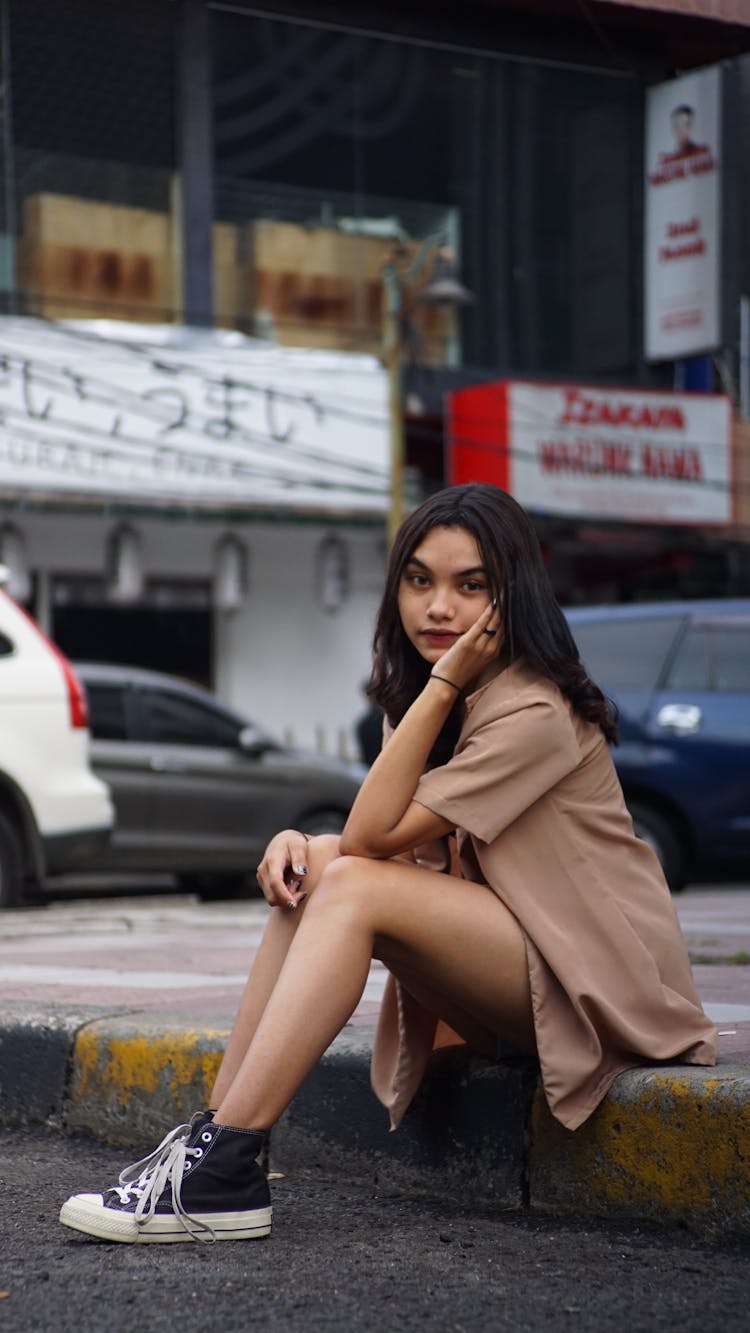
x: 206, y: 1185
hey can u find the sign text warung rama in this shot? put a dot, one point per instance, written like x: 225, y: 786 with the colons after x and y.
x: 583, y: 450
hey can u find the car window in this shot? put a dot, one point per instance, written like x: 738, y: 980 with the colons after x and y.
x: 177, y: 720
x: 107, y: 715
x: 713, y: 657
x: 626, y: 654
x: 6, y: 647
x: 691, y: 669
x: 730, y: 651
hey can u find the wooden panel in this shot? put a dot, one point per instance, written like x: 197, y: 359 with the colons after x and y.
x: 319, y: 286
x: 305, y: 286
x: 79, y: 257
x: 322, y: 287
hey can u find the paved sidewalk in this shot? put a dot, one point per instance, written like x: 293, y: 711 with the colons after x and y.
x: 167, y: 954
x: 114, y: 1014
x: 191, y: 959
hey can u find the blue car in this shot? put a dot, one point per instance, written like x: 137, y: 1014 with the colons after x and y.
x: 679, y: 674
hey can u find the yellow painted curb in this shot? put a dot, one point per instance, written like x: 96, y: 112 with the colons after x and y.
x: 671, y: 1144
x: 129, y: 1081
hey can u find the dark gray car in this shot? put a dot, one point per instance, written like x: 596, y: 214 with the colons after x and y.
x: 198, y: 790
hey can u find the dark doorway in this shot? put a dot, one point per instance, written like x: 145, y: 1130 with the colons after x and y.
x: 168, y: 630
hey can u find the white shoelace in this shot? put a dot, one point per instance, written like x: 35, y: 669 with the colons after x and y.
x: 148, y: 1178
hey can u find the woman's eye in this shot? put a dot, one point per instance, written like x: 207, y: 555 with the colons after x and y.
x: 471, y: 585
x: 418, y: 580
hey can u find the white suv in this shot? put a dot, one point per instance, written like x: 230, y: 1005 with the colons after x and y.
x: 53, y: 812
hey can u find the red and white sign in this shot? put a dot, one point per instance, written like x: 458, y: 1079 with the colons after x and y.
x: 682, y: 257
x: 588, y: 451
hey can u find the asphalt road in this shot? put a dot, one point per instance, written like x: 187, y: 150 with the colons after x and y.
x: 348, y: 1261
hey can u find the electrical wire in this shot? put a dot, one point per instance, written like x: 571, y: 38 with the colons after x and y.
x: 344, y: 474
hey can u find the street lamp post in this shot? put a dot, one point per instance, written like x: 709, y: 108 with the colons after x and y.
x: 445, y: 290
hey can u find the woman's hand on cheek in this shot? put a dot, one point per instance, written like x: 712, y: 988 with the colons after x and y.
x: 470, y: 654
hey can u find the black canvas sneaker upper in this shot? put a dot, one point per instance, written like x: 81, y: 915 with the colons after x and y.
x: 197, y: 1168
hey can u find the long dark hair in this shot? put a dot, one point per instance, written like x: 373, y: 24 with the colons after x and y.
x: 534, y: 627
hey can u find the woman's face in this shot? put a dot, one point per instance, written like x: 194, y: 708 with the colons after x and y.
x: 443, y: 589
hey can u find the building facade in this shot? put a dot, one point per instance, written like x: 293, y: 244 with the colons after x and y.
x: 250, y: 168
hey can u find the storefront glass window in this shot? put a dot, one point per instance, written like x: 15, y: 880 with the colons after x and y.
x: 88, y: 160
x: 573, y: 268
x: 330, y: 147
x: 331, y: 144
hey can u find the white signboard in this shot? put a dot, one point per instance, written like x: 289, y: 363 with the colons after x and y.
x: 682, y: 257
x: 620, y: 454
x: 178, y: 416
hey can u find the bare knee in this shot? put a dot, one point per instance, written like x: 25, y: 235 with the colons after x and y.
x: 321, y: 853
x: 341, y: 882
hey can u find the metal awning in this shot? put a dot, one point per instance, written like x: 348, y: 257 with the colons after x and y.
x: 719, y: 11
x: 653, y: 37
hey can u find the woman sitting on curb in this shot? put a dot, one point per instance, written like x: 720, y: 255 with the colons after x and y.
x: 553, y: 929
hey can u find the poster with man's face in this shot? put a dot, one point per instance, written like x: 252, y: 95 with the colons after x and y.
x: 682, y: 259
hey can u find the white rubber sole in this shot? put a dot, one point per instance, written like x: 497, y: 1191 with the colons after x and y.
x: 86, y: 1213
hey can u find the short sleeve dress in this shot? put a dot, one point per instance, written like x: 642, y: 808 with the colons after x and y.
x: 541, y: 820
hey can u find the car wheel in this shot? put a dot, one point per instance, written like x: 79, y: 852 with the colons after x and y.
x: 215, y: 888
x: 323, y: 821
x: 11, y: 864
x: 656, y: 830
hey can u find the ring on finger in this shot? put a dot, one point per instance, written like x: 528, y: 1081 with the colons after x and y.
x: 490, y: 632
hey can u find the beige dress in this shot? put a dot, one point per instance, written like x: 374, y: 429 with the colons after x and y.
x: 540, y: 818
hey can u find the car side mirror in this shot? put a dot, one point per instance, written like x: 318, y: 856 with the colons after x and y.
x: 252, y: 743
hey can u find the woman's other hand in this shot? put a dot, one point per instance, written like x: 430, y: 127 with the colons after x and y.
x: 473, y: 651
x: 292, y: 865
x: 281, y: 873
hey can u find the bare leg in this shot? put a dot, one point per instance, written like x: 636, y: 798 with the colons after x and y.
x: 481, y: 1039
x: 277, y: 937
x: 457, y: 937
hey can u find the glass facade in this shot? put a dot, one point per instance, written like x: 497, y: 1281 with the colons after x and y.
x: 330, y: 144
x: 330, y: 147
x: 88, y: 147
x: 164, y: 161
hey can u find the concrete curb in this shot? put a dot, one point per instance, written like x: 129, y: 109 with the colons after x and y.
x: 463, y: 1138
x: 131, y: 1078
x: 669, y: 1145
x: 35, y: 1052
